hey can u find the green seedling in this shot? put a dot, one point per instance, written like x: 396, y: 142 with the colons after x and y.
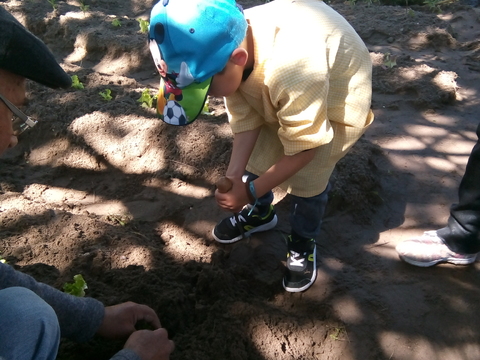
x: 2, y: 260
x: 146, y: 99
x: 434, y: 5
x: 84, y: 7
x: 339, y: 334
x: 77, y: 288
x: 143, y: 25
x: 206, y: 110
x: 122, y: 220
x: 389, y: 61
x: 106, y: 95
x: 76, y: 84
x: 116, y: 23
x: 53, y: 3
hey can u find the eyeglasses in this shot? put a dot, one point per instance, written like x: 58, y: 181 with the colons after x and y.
x: 20, y: 121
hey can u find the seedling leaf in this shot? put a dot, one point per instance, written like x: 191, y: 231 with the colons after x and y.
x: 106, y: 95
x: 76, y: 84
x: 389, y: 61
x: 146, y: 99
x: 206, y: 110
x: 143, y: 25
x: 84, y: 7
x: 77, y: 288
x: 53, y: 3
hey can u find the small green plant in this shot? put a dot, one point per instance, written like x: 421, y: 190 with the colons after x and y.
x: 76, y: 84
x: 116, y: 23
x: 2, y: 260
x: 84, y: 7
x: 122, y: 220
x: 53, y: 3
x: 143, y: 25
x: 389, y: 61
x: 352, y: 2
x: 77, y: 288
x: 106, y: 95
x: 206, y: 110
x: 434, y: 5
x: 336, y: 333
x: 146, y: 99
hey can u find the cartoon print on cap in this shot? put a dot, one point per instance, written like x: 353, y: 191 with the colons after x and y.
x: 183, y: 86
x: 170, y: 91
x: 161, y: 65
x: 168, y: 108
x: 174, y: 114
x: 184, y: 78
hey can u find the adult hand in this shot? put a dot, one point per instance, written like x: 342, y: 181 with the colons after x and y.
x: 151, y: 345
x: 119, y: 320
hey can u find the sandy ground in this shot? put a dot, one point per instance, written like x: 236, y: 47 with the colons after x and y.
x: 105, y: 189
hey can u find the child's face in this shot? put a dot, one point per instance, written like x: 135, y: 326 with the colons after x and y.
x: 226, y: 82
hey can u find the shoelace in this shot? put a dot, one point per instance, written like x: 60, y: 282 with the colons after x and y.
x: 234, y: 220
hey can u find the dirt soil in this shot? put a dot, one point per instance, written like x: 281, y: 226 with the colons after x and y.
x: 107, y: 190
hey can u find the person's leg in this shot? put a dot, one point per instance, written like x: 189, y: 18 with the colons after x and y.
x: 305, y: 220
x: 306, y: 214
x: 462, y: 234
x: 251, y: 219
x: 29, y: 327
x: 459, y: 242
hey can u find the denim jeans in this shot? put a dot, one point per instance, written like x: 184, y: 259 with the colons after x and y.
x: 305, y: 213
x: 462, y: 234
x: 29, y: 327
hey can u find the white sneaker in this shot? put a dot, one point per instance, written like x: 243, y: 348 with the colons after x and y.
x: 429, y: 249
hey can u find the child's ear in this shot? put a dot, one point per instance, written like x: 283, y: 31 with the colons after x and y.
x: 239, y: 57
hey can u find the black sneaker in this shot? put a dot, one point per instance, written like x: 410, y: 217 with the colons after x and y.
x: 230, y: 230
x: 301, y: 264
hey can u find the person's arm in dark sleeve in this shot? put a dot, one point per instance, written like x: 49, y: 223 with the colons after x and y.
x: 79, y: 318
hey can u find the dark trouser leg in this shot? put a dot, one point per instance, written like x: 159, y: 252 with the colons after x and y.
x: 307, y: 213
x: 462, y: 234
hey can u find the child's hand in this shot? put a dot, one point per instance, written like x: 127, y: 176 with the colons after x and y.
x: 235, y: 198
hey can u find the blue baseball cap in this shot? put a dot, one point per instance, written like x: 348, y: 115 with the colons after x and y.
x: 190, y: 41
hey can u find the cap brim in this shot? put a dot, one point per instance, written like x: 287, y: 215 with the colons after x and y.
x: 24, y: 54
x: 178, y: 106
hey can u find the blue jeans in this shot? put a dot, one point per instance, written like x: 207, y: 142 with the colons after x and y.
x: 305, y: 213
x: 29, y: 327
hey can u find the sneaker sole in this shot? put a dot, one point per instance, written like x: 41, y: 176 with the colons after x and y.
x: 264, y: 227
x: 453, y: 261
x: 312, y: 280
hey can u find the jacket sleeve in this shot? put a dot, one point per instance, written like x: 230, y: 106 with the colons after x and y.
x: 79, y: 318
